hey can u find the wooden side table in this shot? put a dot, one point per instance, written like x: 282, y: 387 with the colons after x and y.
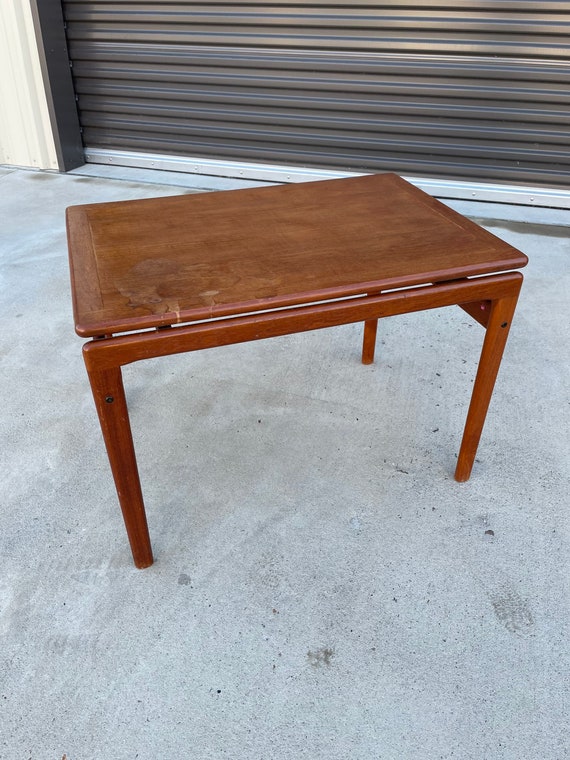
x: 162, y: 276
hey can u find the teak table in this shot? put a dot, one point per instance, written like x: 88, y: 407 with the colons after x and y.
x: 167, y: 275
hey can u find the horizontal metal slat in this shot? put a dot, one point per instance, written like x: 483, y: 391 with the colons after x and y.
x: 481, y: 6
x: 445, y: 22
x: 469, y: 108
x: 521, y: 46
x: 424, y: 164
x: 432, y: 144
x: 385, y: 84
x: 137, y: 116
x: 410, y: 119
x: 187, y: 56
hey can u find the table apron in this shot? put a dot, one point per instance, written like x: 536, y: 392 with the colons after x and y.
x: 119, y: 350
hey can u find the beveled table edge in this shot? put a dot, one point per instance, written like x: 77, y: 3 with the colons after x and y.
x: 76, y: 216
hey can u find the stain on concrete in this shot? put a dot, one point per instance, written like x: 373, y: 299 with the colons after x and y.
x: 320, y: 657
x: 512, y: 611
x: 184, y: 579
x: 42, y: 176
x: 355, y: 524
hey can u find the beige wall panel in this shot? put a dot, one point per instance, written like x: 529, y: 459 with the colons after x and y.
x: 26, y: 137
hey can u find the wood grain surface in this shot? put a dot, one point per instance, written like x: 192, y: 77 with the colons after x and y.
x: 161, y: 261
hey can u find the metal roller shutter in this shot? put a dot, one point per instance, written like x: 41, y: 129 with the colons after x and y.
x: 457, y: 90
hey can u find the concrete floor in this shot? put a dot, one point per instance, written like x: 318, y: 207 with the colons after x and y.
x: 323, y: 588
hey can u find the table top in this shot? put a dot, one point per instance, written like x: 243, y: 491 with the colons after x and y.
x: 163, y: 261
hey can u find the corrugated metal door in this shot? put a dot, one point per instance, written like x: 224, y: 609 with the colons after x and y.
x: 460, y: 90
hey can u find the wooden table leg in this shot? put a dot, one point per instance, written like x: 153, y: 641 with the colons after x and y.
x: 109, y: 395
x: 369, y: 341
x: 502, y: 311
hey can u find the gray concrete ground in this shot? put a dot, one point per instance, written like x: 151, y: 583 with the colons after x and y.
x: 323, y: 588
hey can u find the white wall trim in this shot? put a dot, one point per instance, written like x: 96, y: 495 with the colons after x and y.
x: 26, y: 137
